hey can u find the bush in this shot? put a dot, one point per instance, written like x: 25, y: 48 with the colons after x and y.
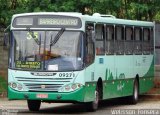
x: 3, y: 85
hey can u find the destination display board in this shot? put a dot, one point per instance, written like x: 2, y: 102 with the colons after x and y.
x: 28, y: 64
x: 58, y: 21
x: 47, y: 21
x: 24, y: 21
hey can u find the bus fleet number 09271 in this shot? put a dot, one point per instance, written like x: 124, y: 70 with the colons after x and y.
x: 67, y: 75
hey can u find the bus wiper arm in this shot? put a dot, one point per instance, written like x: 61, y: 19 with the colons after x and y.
x: 33, y: 36
x: 56, y: 38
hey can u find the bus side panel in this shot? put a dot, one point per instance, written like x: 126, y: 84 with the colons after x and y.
x: 90, y: 83
x: 145, y: 84
x: 110, y: 89
x: 115, y: 88
x: 119, y: 76
x: 128, y: 89
x: 147, y: 81
x: 105, y: 69
x: 89, y: 91
x: 124, y: 74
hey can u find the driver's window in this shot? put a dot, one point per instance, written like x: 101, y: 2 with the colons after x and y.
x: 89, y: 44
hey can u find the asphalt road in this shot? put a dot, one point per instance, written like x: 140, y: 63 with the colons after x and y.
x: 148, y: 105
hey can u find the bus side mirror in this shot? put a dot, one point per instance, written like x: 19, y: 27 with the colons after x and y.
x: 6, y: 41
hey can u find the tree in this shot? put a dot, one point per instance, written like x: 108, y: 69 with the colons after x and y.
x: 128, y: 9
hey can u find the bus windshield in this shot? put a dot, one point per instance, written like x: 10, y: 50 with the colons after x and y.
x: 59, y: 50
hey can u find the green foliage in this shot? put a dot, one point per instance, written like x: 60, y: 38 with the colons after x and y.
x: 3, y: 85
x: 129, y: 9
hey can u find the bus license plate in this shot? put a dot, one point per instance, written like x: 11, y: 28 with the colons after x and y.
x: 42, y: 96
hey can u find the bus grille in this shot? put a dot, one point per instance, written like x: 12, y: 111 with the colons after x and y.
x: 43, y: 84
x: 43, y: 87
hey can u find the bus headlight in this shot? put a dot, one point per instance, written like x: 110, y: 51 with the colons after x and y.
x: 19, y: 87
x: 15, y: 86
x: 70, y: 87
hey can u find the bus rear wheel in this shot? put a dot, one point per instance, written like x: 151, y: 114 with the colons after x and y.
x: 93, y: 106
x: 134, y: 98
x: 34, y: 105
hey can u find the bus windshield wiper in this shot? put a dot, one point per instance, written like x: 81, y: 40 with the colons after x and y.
x: 33, y: 36
x: 56, y: 38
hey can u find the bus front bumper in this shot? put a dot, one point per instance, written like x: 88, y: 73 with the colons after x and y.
x: 76, y: 96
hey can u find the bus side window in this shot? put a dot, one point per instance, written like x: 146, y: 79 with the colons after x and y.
x: 119, y: 41
x: 128, y: 40
x: 109, y: 40
x: 146, y: 41
x: 89, y: 49
x: 99, y: 34
x: 138, y: 41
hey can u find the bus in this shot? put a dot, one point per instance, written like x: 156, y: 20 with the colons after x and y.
x: 70, y: 57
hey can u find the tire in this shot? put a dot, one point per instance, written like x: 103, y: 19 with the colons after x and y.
x: 34, y: 105
x: 135, y: 96
x: 93, y: 106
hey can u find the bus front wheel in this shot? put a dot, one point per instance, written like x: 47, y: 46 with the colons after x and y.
x: 93, y: 106
x: 34, y: 105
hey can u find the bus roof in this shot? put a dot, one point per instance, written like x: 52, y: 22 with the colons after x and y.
x: 108, y: 19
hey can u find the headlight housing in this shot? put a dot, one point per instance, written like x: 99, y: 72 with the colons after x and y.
x: 16, y: 86
x: 70, y: 87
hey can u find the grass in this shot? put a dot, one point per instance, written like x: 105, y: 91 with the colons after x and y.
x: 3, y: 85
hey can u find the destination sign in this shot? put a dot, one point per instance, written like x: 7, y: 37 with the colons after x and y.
x: 58, y: 21
x: 24, y: 21
x: 47, y: 21
x: 28, y: 64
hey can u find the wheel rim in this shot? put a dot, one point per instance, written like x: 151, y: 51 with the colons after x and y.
x: 136, y: 91
x: 96, y: 100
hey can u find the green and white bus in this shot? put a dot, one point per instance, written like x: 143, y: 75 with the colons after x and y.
x: 70, y: 57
